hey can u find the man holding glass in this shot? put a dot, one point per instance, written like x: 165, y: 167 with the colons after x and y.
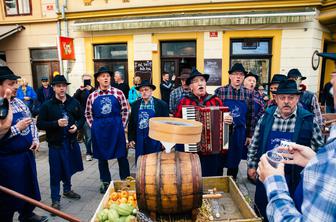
x: 285, y: 122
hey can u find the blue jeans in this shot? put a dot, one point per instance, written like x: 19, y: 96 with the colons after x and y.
x: 124, y: 170
x: 58, y: 172
x: 87, y: 138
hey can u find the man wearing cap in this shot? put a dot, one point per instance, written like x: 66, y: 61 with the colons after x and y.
x: 61, y: 117
x: 45, y: 92
x: 241, y: 104
x: 285, y: 122
x: 307, y: 99
x: 273, y: 86
x: 106, y: 113
x: 17, y: 161
x: 212, y: 165
x: 178, y: 93
x: 142, y: 110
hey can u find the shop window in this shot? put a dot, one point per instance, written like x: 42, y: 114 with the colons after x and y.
x: 178, y: 57
x: 254, y: 54
x: 112, y: 56
x: 17, y: 7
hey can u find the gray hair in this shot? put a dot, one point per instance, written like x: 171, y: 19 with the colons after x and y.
x: 120, y: 74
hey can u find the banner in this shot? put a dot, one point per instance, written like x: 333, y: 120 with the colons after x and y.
x: 67, y: 48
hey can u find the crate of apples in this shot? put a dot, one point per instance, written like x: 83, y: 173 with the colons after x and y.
x: 124, y: 196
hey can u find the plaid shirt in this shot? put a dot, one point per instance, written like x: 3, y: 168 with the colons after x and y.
x: 228, y: 92
x: 195, y: 101
x: 317, y: 111
x: 282, y: 125
x: 319, y: 193
x: 175, y: 96
x: 18, y: 106
x: 149, y: 105
x: 110, y: 91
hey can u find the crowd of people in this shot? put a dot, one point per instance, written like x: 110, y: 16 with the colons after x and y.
x: 301, y: 188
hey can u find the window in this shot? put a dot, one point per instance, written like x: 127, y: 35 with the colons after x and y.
x: 254, y: 54
x: 18, y: 7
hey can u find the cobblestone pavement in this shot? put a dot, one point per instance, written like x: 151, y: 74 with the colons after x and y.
x: 87, y: 183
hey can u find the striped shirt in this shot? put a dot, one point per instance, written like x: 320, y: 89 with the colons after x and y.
x: 319, y: 193
x: 18, y: 106
x: 228, y: 92
x: 110, y: 91
x: 175, y: 96
x: 282, y: 125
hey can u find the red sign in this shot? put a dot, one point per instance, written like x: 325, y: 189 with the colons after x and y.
x: 67, y: 48
x: 50, y: 7
x: 213, y: 34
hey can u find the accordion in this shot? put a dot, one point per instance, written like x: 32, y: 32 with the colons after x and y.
x: 215, y: 133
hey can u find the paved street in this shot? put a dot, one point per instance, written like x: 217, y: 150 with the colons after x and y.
x: 87, y: 184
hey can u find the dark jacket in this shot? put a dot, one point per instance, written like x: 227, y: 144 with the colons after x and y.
x: 326, y: 97
x: 166, y: 88
x: 161, y: 110
x: 124, y: 87
x: 40, y: 95
x: 51, y: 111
x: 82, y: 96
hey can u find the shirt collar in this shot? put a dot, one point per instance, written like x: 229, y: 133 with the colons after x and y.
x: 150, y: 102
x: 109, y: 89
x: 278, y: 115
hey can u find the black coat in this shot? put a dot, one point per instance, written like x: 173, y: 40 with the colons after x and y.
x: 166, y: 88
x: 124, y: 87
x: 51, y: 111
x: 40, y: 95
x: 82, y: 96
x: 161, y: 110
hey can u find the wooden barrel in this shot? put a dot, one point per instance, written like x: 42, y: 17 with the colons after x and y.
x: 168, y: 183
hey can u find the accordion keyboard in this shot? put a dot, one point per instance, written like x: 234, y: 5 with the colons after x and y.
x: 189, y: 113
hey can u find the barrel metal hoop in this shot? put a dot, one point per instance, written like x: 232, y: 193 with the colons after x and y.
x: 178, y: 181
x: 195, y: 179
x: 158, y: 183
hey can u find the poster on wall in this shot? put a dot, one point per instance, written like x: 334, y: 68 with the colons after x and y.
x: 67, y: 48
x: 143, y: 69
x: 213, y: 67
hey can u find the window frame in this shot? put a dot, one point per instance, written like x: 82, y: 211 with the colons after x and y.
x: 17, y: 9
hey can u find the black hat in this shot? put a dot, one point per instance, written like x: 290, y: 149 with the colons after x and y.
x: 237, y: 67
x: 184, y: 76
x: 277, y: 78
x: 59, y: 79
x: 145, y: 83
x: 44, y: 78
x: 295, y: 73
x: 251, y: 74
x: 102, y: 69
x: 6, y: 73
x: 194, y: 73
x: 287, y: 87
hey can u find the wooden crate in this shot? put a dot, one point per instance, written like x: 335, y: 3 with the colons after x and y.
x: 114, y: 186
x: 224, y: 184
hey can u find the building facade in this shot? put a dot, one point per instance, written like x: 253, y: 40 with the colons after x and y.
x: 148, y: 37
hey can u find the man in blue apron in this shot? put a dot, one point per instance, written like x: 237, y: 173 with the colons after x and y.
x: 138, y: 127
x: 61, y: 117
x: 241, y: 104
x: 285, y: 122
x: 106, y: 113
x: 17, y: 161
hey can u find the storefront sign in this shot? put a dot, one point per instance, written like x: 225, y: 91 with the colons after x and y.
x: 67, y: 48
x: 143, y: 69
x: 213, y: 67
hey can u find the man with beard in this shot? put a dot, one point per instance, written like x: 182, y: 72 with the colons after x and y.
x: 212, y: 164
x: 241, y: 104
x: 61, y: 117
x: 106, y: 113
x: 17, y: 161
x: 142, y: 111
x: 285, y: 122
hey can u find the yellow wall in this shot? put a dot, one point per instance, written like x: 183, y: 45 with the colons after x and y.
x: 276, y: 48
x: 198, y: 36
x: 90, y: 41
x: 330, y: 65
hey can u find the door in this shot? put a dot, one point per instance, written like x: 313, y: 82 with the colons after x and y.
x: 43, y: 69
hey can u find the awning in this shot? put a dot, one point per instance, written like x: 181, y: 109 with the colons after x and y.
x: 195, y: 20
x: 7, y: 30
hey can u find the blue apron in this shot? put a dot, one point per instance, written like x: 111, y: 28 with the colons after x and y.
x: 260, y: 197
x: 144, y: 144
x: 107, y: 130
x: 18, y: 168
x: 238, y: 109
